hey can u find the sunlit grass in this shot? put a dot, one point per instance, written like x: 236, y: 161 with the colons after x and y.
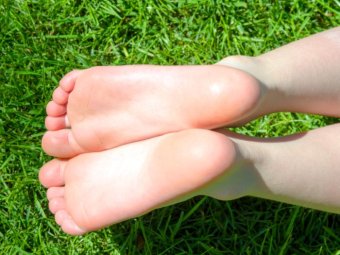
x: 42, y: 40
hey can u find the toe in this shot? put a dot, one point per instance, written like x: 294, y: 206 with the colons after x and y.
x: 55, y: 110
x: 52, y: 173
x: 54, y: 192
x: 64, y: 219
x: 61, y: 144
x: 60, y: 96
x: 57, y: 204
x: 68, y: 81
x: 56, y: 123
x: 60, y: 216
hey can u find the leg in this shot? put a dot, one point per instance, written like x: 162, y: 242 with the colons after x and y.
x: 103, y: 101
x: 300, y: 169
x: 302, y: 76
x: 171, y: 168
x: 110, y: 106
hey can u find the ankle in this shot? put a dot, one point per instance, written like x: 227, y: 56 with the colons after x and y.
x: 252, y: 156
x: 251, y: 65
x: 260, y: 68
x: 240, y: 179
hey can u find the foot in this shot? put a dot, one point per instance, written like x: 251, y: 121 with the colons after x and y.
x: 94, y: 190
x: 104, y: 107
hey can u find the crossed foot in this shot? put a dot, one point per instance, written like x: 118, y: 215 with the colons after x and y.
x: 119, y: 119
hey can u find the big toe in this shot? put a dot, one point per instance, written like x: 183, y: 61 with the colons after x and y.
x: 52, y: 173
x: 61, y: 144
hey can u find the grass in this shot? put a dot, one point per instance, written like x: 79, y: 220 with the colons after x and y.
x: 42, y: 40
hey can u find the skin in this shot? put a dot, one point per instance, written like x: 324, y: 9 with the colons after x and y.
x: 133, y: 179
x: 94, y: 190
x: 298, y: 77
x: 301, y: 169
x: 86, y: 98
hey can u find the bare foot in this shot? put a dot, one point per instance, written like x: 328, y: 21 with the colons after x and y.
x: 94, y: 190
x: 103, y: 107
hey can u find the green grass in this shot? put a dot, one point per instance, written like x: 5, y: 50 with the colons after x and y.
x: 42, y: 40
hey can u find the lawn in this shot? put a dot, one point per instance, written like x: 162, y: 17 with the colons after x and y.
x: 41, y: 40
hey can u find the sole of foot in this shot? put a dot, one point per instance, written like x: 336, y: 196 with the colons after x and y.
x: 104, y: 107
x: 94, y: 190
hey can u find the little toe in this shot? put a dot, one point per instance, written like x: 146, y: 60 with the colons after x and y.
x: 52, y: 173
x: 56, y: 204
x: 60, y: 96
x: 64, y: 219
x: 55, y: 110
x: 68, y: 81
x: 56, y: 123
x: 61, y: 144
